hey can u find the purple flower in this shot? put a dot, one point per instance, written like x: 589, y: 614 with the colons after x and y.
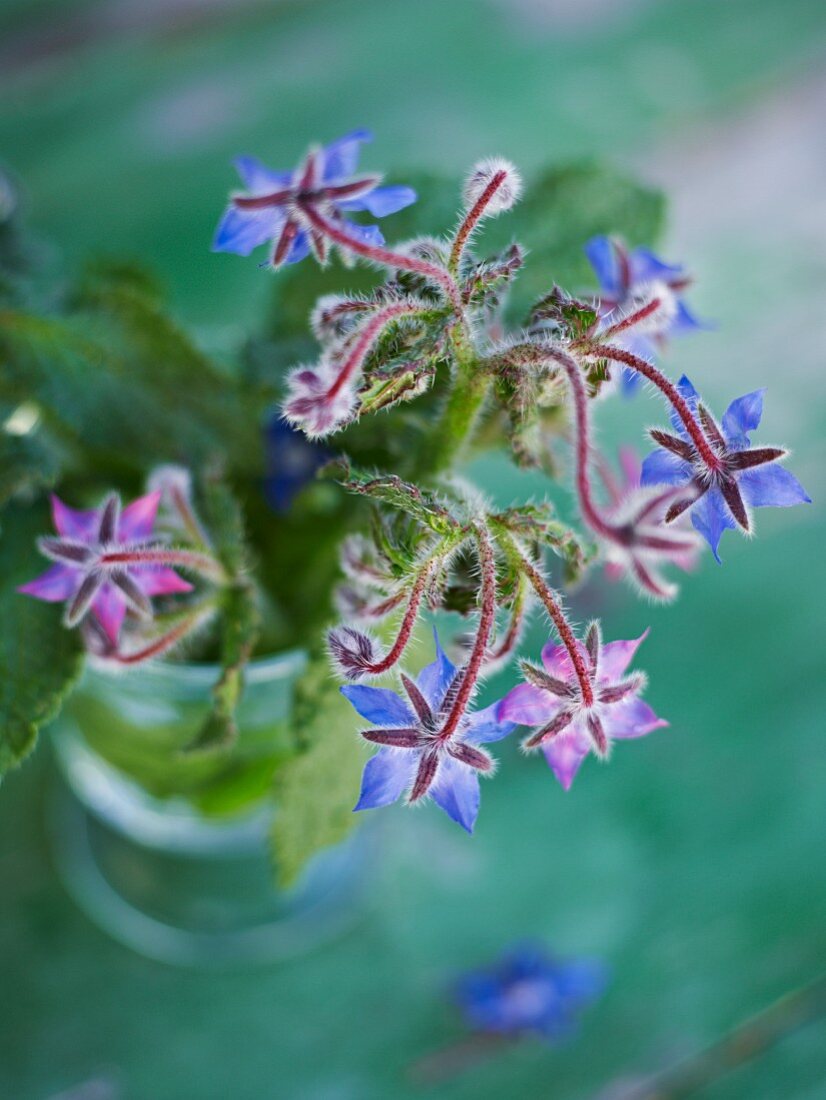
x: 270, y: 209
x: 569, y: 726
x: 747, y: 477
x: 529, y: 992
x: 623, y: 278
x: 292, y: 461
x: 78, y: 576
x: 413, y: 757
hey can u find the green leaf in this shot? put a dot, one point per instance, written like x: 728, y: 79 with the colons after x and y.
x: 420, y: 504
x: 535, y: 523
x: 39, y: 659
x: 315, y: 791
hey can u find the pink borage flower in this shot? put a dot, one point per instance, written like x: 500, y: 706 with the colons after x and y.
x: 574, y: 718
x: 87, y: 583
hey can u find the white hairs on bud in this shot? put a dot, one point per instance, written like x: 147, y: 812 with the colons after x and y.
x: 504, y: 197
x: 660, y: 319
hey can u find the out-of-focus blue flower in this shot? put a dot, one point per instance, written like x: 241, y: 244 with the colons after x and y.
x: 270, y: 209
x: 624, y: 275
x: 530, y: 992
x: 291, y: 462
x: 748, y: 477
x: 413, y: 757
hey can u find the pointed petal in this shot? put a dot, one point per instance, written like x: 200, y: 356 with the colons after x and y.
x: 395, y: 738
x: 72, y: 524
x: 161, y: 581
x: 138, y: 518
x: 456, y: 791
x: 743, y: 416
x: 772, y: 487
x: 737, y: 506
x: 711, y: 518
x: 341, y: 156
x: 528, y: 706
x: 631, y: 718
x: 58, y: 583
x: 258, y: 178
x: 381, y: 201
x: 434, y: 679
x: 242, y: 231
x: 685, y: 321
x: 417, y: 700
x: 486, y: 725
x: 663, y: 468
x: 386, y: 777
x: 108, y: 517
x: 109, y: 608
x: 645, y: 266
x: 379, y: 705
x: 471, y: 756
x: 86, y: 592
x: 565, y: 754
x: 686, y: 390
x: 367, y: 234
x: 602, y: 257
x: 617, y: 656
x: 299, y: 249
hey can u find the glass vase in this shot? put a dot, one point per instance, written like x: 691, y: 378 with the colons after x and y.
x: 166, y: 847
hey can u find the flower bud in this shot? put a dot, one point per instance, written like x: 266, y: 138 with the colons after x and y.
x: 499, y: 179
x: 352, y: 651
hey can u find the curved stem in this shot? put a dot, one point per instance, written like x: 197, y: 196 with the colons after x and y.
x: 365, y: 340
x: 487, y: 565
x: 471, y: 219
x: 669, y: 391
x: 385, y: 256
x: 411, y: 613
x: 557, y: 615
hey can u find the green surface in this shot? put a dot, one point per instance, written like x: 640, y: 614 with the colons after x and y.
x: 693, y: 864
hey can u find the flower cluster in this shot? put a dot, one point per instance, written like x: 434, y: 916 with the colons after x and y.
x: 431, y: 343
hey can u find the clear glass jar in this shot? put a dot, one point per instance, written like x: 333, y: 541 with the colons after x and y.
x: 166, y: 849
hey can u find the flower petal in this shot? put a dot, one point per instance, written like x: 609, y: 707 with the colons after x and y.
x: 386, y: 777
x: 686, y: 390
x: 771, y: 486
x: 160, y: 581
x: 382, y: 201
x: 110, y: 609
x: 380, y: 706
x: 711, y: 518
x: 72, y: 524
x: 434, y: 678
x: 341, y: 156
x: 138, y: 518
x: 58, y: 583
x: 241, y: 231
x: 743, y: 416
x: 685, y: 321
x: 566, y: 752
x: 631, y: 718
x: 645, y: 266
x: 528, y: 705
x: 299, y: 249
x: 602, y: 257
x: 663, y: 468
x: 258, y: 178
x: 615, y: 658
x: 487, y: 725
x: 367, y: 234
x: 456, y: 790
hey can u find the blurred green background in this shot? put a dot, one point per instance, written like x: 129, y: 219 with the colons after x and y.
x: 694, y: 865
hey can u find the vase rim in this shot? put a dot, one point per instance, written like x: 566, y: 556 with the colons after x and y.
x: 259, y: 670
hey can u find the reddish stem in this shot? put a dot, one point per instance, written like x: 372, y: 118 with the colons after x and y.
x: 633, y: 318
x: 563, y: 628
x: 160, y: 645
x: 384, y: 256
x: 411, y: 613
x: 487, y: 564
x: 200, y: 563
x: 472, y: 217
x: 365, y: 340
x: 671, y: 393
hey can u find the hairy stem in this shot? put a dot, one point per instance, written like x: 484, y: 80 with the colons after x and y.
x: 471, y: 220
x: 487, y: 595
x: 366, y: 338
x: 199, y: 563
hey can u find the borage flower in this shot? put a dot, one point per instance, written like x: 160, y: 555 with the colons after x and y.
x: 529, y: 992
x: 413, y: 758
x: 292, y: 462
x: 78, y: 576
x: 271, y: 208
x: 626, y: 279
x: 745, y: 477
x: 573, y: 719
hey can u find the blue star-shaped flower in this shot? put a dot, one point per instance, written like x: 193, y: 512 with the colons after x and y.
x: 748, y: 477
x: 529, y: 992
x: 413, y: 757
x: 621, y: 275
x: 292, y: 462
x: 271, y: 208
